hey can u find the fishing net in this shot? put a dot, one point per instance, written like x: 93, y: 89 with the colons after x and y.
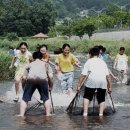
x: 76, y: 105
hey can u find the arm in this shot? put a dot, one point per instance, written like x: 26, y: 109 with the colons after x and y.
x: 12, y: 63
x: 57, y: 68
x: 113, y: 75
x: 109, y: 83
x: 50, y: 76
x: 52, y: 63
x: 81, y: 82
x: 77, y: 64
x: 75, y: 61
x: 115, y: 62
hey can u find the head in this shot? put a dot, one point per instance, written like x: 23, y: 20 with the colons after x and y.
x: 101, y: 48
x: 94, y: 52
x: 66, y: 49
x: 43, y: 49
x: 37, y: 55
x: 23, y: 47
x: 122, y: 50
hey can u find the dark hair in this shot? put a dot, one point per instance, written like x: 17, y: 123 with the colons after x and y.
x: 104, y: 49
x: 65, y: 45
x: 43, y: 45
x: 122, y: 48
x: 23, y: 43
x: 37, y: 55
x: 100, y: 47
x: 94, y: 51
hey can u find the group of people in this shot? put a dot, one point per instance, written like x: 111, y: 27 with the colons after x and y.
x: 35, y: 72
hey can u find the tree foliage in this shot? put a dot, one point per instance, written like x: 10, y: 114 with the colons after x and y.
x: 24, y: 19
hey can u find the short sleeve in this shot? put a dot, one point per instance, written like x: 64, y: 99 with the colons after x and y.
x: 85, y: 69
x: 74, y: 59
x: 57, y: 60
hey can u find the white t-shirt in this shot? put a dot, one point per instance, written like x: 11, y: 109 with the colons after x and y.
x: 121, y: 61
x: 98, y: 72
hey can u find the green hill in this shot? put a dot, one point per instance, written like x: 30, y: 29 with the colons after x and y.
x: 72, y: 8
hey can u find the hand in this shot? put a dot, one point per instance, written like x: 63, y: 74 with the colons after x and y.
x: 50, y: 88
x: 109, y: 90
x: 78, y: 89
x: 116, y: 78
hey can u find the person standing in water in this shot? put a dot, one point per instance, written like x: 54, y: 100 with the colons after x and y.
x: 37, y: 74
x: 20, y: 60
x: 65, y: 64
x: 97, y: 79
x: 121, y: 63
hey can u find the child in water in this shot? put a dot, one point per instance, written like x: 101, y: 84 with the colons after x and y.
x: 65, y: 64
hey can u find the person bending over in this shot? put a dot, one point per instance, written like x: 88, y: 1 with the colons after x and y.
x: 38, y: 76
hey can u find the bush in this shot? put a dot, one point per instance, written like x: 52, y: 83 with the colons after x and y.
x: 12, y: 36
x: 5, y: 61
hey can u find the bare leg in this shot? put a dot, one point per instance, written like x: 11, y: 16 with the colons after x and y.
x: 70, y: 91
x: 47, y: 107
x: 23, y: 83
x: 102, y: 107
x: 124, y: 78
x: 86, y: 104
x: 23, y: 107
x: 50, y: 81
x: 17, y: 87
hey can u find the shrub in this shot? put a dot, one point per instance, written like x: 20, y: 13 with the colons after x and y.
x: 12, y: 36
x: 5, y: 61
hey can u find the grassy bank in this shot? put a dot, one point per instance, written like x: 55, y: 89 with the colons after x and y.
x: 81, y: 46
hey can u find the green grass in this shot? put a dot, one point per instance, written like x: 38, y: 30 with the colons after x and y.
x: 81, y: 46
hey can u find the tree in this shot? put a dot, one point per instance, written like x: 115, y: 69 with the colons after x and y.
x: 80, y: 27
x: 90, y: 28
x: 107, y: 21
x: 19, y: 17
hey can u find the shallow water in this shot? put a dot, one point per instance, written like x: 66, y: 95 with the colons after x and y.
x: 36, y: 119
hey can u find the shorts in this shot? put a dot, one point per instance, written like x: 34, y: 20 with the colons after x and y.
x: 31, y: 86
x: 67, y: 80
x: 100, y: 94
